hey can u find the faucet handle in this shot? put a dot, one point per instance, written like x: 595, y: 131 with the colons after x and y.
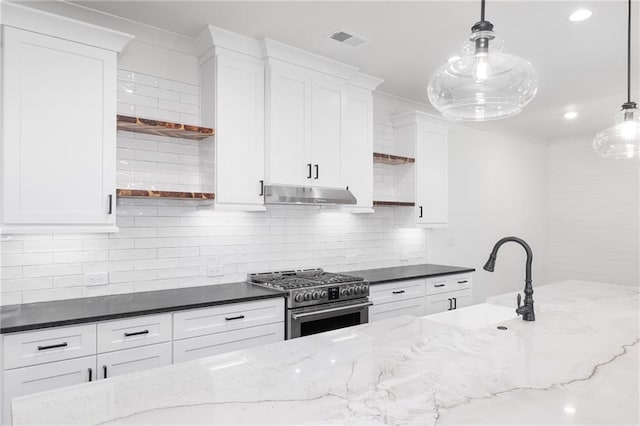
x: 519, y: 300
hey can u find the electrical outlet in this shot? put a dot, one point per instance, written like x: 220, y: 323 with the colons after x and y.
x: 214, y: 271
x: 97, y: 278
x: 351, y: 259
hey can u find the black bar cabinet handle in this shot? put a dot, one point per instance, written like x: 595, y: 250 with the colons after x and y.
x: 59, y: 345
x: 104, y: 371
x: 317, y: 171
x: 439, y: 285
x: 309, y: 170
x: 398, y: 292
x: 234, y: 318
x: 463, y: 281
x: 110, y: 203
x: 450, y: 305
x: 91, y: 374
x: 420, y: 211
x: 455, y: 303
x: 261, y: 188
x: 136, y: 333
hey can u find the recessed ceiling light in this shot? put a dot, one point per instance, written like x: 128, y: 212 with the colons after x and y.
x: 580, y: 15
x: 570, y: 115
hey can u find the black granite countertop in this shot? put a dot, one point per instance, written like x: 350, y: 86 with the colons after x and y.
x: 401, y: 273
x: 31, y: 316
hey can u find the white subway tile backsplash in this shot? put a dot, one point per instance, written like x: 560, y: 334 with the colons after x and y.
x: 25, y: 284
x: 51, y: 270
x: 177, y: 86
x: 132, y: 254
x: 51, y: 294
x: 19, y: 259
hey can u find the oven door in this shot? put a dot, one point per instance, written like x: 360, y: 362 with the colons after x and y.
x: 330, y: 316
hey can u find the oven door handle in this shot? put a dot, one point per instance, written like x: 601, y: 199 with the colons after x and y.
x: 324, y: 311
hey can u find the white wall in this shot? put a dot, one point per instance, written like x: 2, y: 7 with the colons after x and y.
x: 594, y: 215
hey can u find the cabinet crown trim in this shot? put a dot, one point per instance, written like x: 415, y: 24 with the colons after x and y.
x: 212, y: 37
x: 30, y: 19
x: 275, y: 50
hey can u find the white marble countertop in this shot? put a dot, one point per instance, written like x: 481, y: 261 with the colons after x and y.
x: 577, y: 363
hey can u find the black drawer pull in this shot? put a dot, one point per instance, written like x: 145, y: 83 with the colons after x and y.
x: 450, y: 304
x: 463, y: 282
x: 420, y: 212
x: 261, y: 188
x: 90, y: 374
x: 234, y: 318
x: 398, y: 292
x: 309, y: 170
x: 59, y: 345
x: 317, y: 171
x: 104, y: 371
x: 136, y: 333
x: 455, y: 303
x: 439, y: 285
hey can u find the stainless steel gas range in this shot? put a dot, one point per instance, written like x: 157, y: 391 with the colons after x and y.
x: 318, y: 301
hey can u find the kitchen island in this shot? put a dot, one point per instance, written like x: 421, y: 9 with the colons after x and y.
x: 578, y: 363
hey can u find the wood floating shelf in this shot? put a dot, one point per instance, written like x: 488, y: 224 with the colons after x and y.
x: 171, y: 195
x: 391, y: 159
x: 393, y: 204
x: 163, y: 128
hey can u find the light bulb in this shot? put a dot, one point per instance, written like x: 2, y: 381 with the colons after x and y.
x: 481, y: 68
x: 629, y: 129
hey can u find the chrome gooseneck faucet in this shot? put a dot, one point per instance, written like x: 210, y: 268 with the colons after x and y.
x: 525, y: 310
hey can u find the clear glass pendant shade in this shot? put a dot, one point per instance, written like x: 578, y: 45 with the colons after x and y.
x: 623, y: 139
x: 484, y: 84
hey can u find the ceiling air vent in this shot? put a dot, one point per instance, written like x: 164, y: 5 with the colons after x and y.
x: 348, y: 38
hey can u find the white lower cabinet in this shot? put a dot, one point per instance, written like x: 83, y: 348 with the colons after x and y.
x: 131, y: 360
x: 420, y: 297
x: 36, y: 361
x: 39, y: 378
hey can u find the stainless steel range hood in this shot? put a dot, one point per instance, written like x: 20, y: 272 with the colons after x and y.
x: 283, y: 194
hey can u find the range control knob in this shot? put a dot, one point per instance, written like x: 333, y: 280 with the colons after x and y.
x: 343, y: 292
x: 316, y: 295
x: 350, y: 291
x: 323, y: 294
x: 365, y: 289
x: 357, y: 289
x: 307, y: 297
x: 298, y: 298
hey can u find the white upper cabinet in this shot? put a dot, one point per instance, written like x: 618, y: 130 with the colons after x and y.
x: 357, y: 164
x: 417, y: 135
x: 288, y: 139
x: 232, y: 98
x: 318, y: 122
x: 59, y: 124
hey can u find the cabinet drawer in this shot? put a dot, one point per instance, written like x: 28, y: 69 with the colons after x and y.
x: 132, y: 360
x: 414, y: 307
x: 49, y: 345
x: 401, y: 290
x: 230, y: 317
x: 448, y: 283
x: 40, y: 378
x: 203, y: 346
x: 133, y: 332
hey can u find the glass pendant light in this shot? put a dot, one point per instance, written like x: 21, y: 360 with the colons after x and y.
x: 484, y: 84
x: 623, y: 139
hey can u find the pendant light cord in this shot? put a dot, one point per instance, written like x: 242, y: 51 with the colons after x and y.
x: 482, y: 10
x: 628, y: 53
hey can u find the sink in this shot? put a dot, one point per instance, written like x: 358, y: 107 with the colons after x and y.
x: 477, y: 316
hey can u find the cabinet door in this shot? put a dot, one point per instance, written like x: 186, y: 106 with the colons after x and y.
x: 439, y: 303
x: 288, y: 126
x: 59, y: 132
x: 461, y: 298
x: 39, y: 378
x: 431, y: 176
x: 326, y: 130
x: 131, y: 360
x: 239, y: 130
x: 357, y: 146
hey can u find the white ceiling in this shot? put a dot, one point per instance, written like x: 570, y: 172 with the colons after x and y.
x: 580, y: 65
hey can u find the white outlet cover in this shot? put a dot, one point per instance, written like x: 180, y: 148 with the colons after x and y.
x: 97, y: 278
